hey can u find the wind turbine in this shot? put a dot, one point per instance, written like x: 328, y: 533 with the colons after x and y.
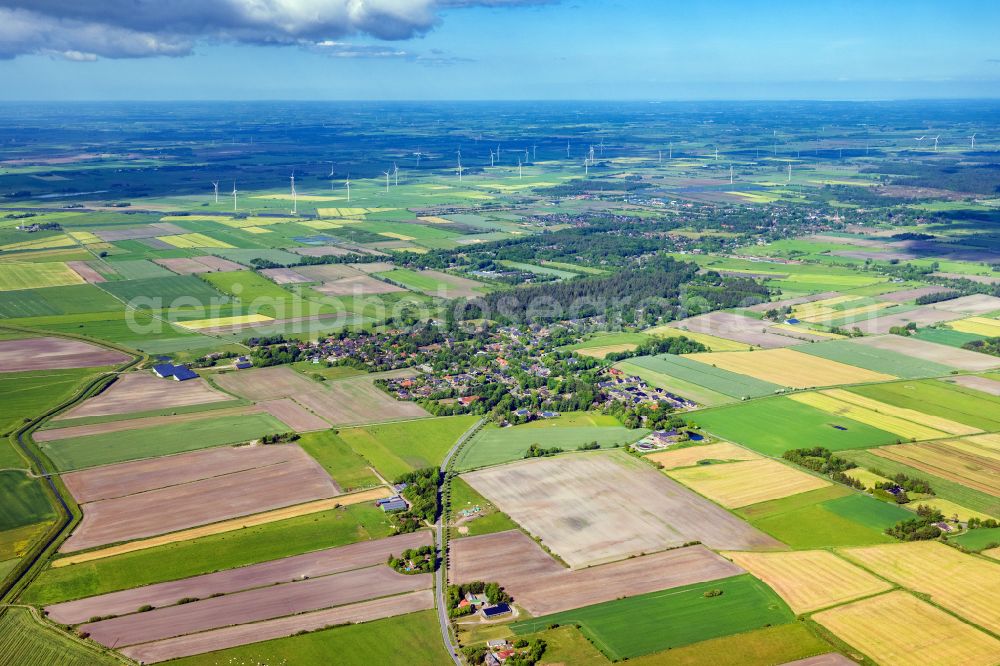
x: 716, y: 153
x: 671, y: 155
x: 491, y: 158
x: 973, y: 139
x: 460, y: 169
x: 567, y: 149
x: 348, y: 187
x: 936, y: 141
x: 919, y: 139
x: 331, y: 175
x: 586, y: 167
x: 519, y: 168
x: 602, y: 148
x: 295, y: 199
x: 234, y: 196
x: 591, y: 154
x: 525, y: 154
x: 789, y: 172
x: 215, y: 184
x: 534, y: 152
x: 730, y: 174
x: 418, y: 154
x: 395, y: 174
x: 386, y: 181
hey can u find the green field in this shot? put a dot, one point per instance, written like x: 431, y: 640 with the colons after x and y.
x: 493, y: 445
x: 978, y: 539
x: 715, y: 379
x: 30, y: 393
x: 939, y: 398
x: 73, y: 299
x: 245, y: 256
x: 333, y: 372
x: 946, y: 336
x: 14, y: 542
x: 247, y: 286
x: 689, y: 390
x: 162, y: 292
x: 761, y: 647
x: 877, y: 360
x: 114, y: 447
x: 14, y: 276
x: 647, y: 623
x: 489, y: 520
x: 867, y: 511
x: 776, y: 425
x: 589, y: 270
x: 540, y: 270
x: 414, y: 280
x: 397, y: 448
x: 347, y: 468
x: 23, y: 501
x: 819, y: 519
x: 24, y: 640
x: 608, y: 339
x: 283, y: 538
x: 139, y: 269
x: 379, y: 642
x: 943, y: 488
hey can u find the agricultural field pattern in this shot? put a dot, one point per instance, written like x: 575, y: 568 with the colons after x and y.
x: 303, y: 384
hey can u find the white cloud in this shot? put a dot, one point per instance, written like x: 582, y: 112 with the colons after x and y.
x: 86, y: 29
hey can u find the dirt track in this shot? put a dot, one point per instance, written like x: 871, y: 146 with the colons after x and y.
x: 218, y: 639
x: 311, y: 565
x: 541, y: 585
x: 208, y: 500
x: 599, y: 507
x: 142, y: 391
x: 54, y: 353
x: 255, y: 605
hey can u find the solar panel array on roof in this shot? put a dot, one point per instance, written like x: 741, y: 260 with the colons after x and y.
x: 181, y: 373
x: 493, y: 611
x: 164, y: 370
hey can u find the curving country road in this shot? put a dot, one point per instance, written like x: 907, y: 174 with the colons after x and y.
x: 439, y: 580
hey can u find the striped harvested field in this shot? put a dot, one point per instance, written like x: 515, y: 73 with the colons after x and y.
x: 810, y: 579
x: 787, y: 367
x: 971, y: 461
x: 693, y: 454
x: 899, y: 629
x: 898, y: 426
x: 743, y: 483
x: 967, y: 585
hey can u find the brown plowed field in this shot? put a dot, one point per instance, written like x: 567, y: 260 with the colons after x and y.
x: 599, y: 507
x: 788, y: 302
x: 295, y: 415
x: 962, y: 359
x: 297, y: 480
x: 910, y: 294
x: 140, y: 476
x: 341, y: 402
x: 256, y: 605
x: 357, y: 285
x: 219, y: 639
x: 310, y: 565
x: 541, y: 585
x: 144, y: 231
x: 922, y: 316
x: 983, y: 384
x: 53, y: 354
x: 183, y: 266
x: 328, y: 272
x: 85, y: 271
x: 53, y: 434
x: 142, y: 391
x: 976, y: 304
x: 284, y: 276
x: 218, y: 263
x: 742, y: 329
x: 320, y: 251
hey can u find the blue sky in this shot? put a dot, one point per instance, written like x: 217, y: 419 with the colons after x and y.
x: 519, y: 50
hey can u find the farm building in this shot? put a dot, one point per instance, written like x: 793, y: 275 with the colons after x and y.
x: 177, y: 372
x: 390, y: 504
x: 490, y: 612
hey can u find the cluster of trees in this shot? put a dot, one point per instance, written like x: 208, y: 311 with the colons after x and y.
x: 921, y: 528
x: 422, y: 493
x: 654, y: 289
x: 989, y: 346
x: 673, y: 345
x: 535, y: 451
x: 415, y: 560
x: 905, y: 331
x: 822, y: 460
x: 712, y: 291
x: 279, y: 438
x: 978, y: 523
x: 276, y: 354
x: 936, y: 297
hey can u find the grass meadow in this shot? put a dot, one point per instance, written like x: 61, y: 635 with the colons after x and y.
x: 627, y: 628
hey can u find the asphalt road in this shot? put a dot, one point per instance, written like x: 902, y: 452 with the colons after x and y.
x: 439, y: 575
